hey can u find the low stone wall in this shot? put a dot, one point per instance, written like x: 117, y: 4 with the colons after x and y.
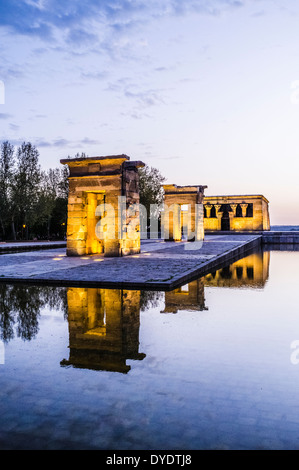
x: 12, y: 247
x: 268, y: 237
x: 281, y: 238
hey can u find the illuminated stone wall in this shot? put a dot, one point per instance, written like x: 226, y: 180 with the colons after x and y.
x: 101, y: 190
x: 236, y: 213
x: 174, y: 218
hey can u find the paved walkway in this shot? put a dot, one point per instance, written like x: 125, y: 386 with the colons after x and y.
x: 160, y: 265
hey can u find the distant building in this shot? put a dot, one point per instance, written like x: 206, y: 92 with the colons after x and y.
x: 236, y: 213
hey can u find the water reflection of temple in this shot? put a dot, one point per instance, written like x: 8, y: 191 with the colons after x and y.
x: 251, y: 271
x: 188, y: 297
x: 104, y: 323
x: 103, y: 328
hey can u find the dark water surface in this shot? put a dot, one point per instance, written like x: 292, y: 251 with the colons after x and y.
x: 211, y: 365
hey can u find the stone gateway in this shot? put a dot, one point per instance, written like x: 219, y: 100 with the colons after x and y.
x: 101, y: 189
x: 183, y: 212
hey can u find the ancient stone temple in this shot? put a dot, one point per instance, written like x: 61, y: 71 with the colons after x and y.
x: 183, y: 212
x: 103, y: 206
x: 236, y: 213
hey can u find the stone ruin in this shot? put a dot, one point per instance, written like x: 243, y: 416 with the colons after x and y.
x: 101, y: 189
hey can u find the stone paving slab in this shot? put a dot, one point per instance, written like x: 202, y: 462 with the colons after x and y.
x: 160, y: 265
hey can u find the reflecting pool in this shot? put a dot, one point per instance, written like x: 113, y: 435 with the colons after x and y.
x: 213, y: 364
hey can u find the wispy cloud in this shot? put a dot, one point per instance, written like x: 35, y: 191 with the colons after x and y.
x: 88, y: 141
x: 142, y: 98
x: 14, y: 127
x: 5, y: 116
x: 95, y: 75
x: 8, y: 71
x: 61, y: 143
x: 43, y: 17
x: 145, y: 98
x: 81, y: 37
x: 53, y: 143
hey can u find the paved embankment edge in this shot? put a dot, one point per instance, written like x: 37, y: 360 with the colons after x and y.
x: 206, y: 267
x: 219, y: 261
x: 16, y: 247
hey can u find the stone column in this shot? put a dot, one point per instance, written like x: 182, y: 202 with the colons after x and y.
x: 234, y: 208
x: 199, y: 223
x: 176, y: 223
x: 111, y: 236
x: 208, y: 210
x: 219, y: 217
x: 217, y: 207
x: 92, y: 243
x: 77, y: 222
x: 244, y: 207
x: 171, y: 222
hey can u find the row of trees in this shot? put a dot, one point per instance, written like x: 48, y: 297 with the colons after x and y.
x: 33, y: 202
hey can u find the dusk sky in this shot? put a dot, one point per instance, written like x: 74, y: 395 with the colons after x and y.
x: 205, y: 91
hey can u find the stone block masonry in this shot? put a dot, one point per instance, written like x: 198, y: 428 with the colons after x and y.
x: 236, y: 213
x: 97, y: 222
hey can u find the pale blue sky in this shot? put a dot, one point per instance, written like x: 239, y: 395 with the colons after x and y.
x: 200, y: 89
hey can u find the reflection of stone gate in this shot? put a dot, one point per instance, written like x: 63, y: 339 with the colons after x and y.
x: 190, y: 297
x: 103, y: 328
x: 183, y: 211
x: 101, y: 182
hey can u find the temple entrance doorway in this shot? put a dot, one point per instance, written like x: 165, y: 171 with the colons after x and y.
x: 93, y: 243
x: 225, y: 220
x: 225, y: 225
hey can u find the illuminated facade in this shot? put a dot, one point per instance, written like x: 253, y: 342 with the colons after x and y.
x: 100, y: 191
x: 236, y: 213
x: 183, y: 212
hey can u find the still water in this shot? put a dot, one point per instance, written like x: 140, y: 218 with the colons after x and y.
x: 211, y: 365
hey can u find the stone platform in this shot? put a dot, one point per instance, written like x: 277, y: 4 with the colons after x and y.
x: 160, y: 265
